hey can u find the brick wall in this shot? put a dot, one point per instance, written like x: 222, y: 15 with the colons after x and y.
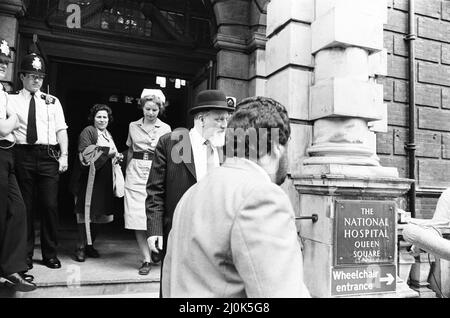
x: 432, y: 97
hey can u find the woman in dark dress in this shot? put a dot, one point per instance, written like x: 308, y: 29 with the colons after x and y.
x: 92, y: 179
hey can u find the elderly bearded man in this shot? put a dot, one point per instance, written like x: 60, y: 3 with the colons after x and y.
x: 233, y: 233
x: 181, y: 159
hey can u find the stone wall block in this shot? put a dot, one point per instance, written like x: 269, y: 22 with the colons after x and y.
x: 427, y: 95
x: 446, y: 146
x: 382, y: 124
x: 398, y: 114
x: 233, y: 87
x: 433, y: 173
x: 434, y: 119
x: 445, y: 58
x: 427, y: 50
x: 397, y: 21
x: 301, y: 136
x: 389, y: 41
x: 281, y: 11
x: 398, y: 66
x: 232, y: 12
x: 257, y: 87
x: 341, y: 27
x: 317, y: 262
x: 446, y: 97
x: 446, y: 10
x: 384, y: 142
x: 431, y: 8
x: 388, y: 88
x: 239, y: 31
x: 257, y: 17
x: 337, y: 62
x: 399, y: 162
x: 376, y: 8
x: 257, y: 63
x: 378, y: 63
x: 232, y: 64
x: 322, y: 230
x: 347, y: 98
x: 8, y: 29
x: 292, y: 45
x: 426, y: 207
x: 291, y: 88
x: 433, y: 29
x: 428, y: 143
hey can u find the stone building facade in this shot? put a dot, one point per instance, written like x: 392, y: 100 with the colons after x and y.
x: 341, y: 67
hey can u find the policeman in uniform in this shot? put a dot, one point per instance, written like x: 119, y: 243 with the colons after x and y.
x: 13, y: 222
x: 41, y: 153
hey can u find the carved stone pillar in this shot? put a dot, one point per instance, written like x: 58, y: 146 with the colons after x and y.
x: 347, y: 42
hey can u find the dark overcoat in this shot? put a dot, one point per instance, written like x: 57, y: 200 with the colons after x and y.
x: 102, y: 194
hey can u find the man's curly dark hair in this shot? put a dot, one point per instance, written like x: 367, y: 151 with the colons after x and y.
x: 257, y: 124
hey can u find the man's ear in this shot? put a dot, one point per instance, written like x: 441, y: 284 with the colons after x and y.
x: 277, y: 151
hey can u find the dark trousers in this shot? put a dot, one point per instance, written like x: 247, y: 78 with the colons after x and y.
x: 37, y: 175
x: 13, y: 222
x: 164, y: 251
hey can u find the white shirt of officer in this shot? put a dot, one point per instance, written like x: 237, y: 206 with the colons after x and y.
x: 49, y: 117
x: 4, y: 100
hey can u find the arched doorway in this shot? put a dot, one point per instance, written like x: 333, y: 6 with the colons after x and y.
x: 119, y: 48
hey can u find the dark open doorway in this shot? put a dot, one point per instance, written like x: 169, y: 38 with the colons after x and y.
x: 79, y: 87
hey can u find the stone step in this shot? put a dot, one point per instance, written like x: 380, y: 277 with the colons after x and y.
x: 136, y: 289
x: 114, y: 274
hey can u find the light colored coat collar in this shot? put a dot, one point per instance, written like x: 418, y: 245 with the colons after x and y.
x: 242, y: 163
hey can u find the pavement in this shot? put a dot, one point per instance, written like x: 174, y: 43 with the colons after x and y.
x: 114, y: 274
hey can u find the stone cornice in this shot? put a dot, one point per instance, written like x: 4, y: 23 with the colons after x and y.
x: 233, y: 43
x: 347, y: 180
x: 229, y: 42
x: 338, y: 185
x: 12, y: 7
x: 257, y: 41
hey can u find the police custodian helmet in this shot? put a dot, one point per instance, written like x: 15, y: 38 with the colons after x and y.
x: 32, y: 64
x: 5, y: 51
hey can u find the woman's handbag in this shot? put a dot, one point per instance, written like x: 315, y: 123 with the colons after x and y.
x: 118, y: 181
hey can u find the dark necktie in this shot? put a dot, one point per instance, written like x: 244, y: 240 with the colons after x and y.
x: 209, y: 156
x: 31, y: 128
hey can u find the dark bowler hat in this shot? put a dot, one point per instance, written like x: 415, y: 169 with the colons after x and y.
x: 5, y: 51
x: 211, y: 99
x: 33, y: 64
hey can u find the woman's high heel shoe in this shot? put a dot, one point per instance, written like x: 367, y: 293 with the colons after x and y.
x: 80, y: 254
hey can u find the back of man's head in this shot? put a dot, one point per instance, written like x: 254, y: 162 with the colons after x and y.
x: 257, y: 125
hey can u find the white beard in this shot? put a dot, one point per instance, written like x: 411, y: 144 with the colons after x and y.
x: 218, y: 139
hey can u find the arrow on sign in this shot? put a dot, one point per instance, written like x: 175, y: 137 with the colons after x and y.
x: 388, y: 279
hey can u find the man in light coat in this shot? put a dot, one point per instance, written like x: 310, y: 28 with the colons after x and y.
x: 233, y: 233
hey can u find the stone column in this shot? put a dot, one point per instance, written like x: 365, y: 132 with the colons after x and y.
x: 347, y: 43
x: 241, y: 44
x: 328, y: 55
x: 230, y: 41
x: 10, y: 10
